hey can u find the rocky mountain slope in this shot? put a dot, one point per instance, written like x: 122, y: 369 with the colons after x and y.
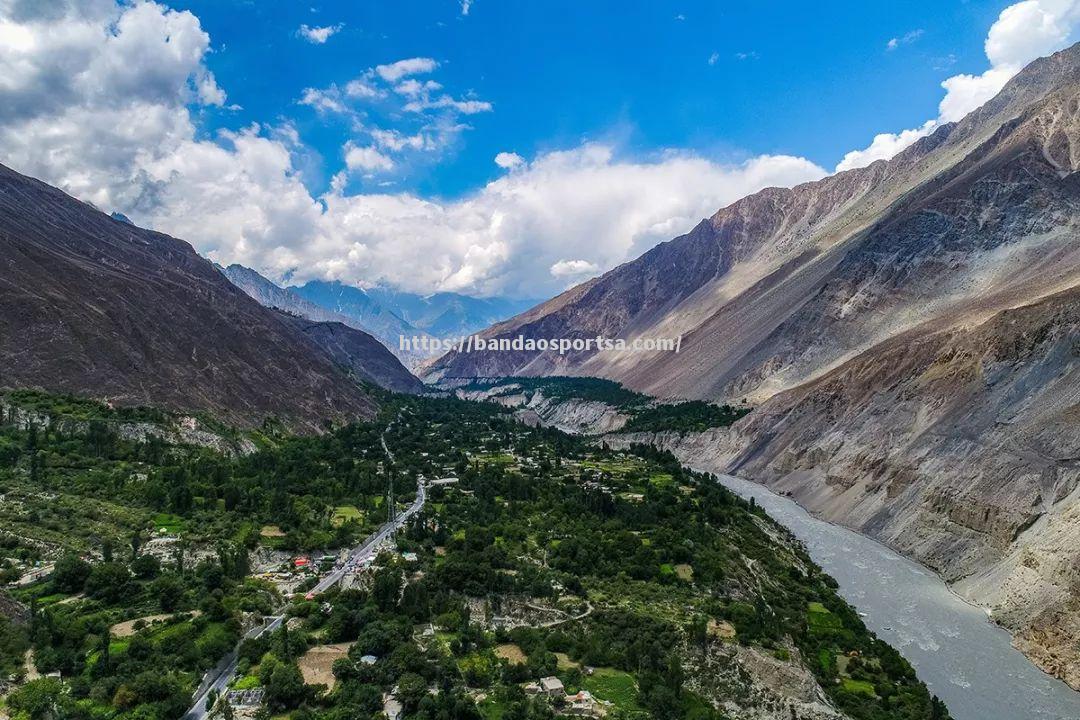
x: 273, y: 296
x: 363, y: 315
x: 960, y: 448
x: 785, y: 284
x: 95, y: 306
x: 359, y: 354
x: 910, y: 335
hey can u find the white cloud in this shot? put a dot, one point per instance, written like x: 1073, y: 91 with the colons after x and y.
x: 509, y: 160
x: 465, y: 107
x: 466, y: 5
x: 397, y: 141
x: 905, y: 39
x: 413, y: 87
x: 884, y: 146
x: 398, y: 114
x: 100, y: 103
x: 328, y: 100
x: 319, y: 35
x: 546, y: 211
x: 361, y: 87
x: 713, y: 58
x: 1022, y: 32
x: 366, y: 159
x: 570, y: 268
x: 403, y: 68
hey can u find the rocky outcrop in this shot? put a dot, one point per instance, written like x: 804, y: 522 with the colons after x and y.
x: 176, y: 431
x: 571, y: 415
x: 94, y: 306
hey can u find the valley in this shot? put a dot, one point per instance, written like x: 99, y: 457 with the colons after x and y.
x: 237, y: 484
x: 616, y: 574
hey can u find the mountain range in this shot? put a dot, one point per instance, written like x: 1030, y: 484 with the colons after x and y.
x: 909, y: 336
x: 96, y: 306
x: 388, y: 315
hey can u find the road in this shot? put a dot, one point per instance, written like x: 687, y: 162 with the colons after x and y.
x: 217, y: 679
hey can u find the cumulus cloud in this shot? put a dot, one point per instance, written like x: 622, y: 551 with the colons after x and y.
x: 547, y: 211
x: 509, y: 160
x: 884, y: 146
x: 403, y: 68
x: 367, y: 159
x: 319, y: 35
x: 570, y: 268
x: 323, y: 101
x: 1022, y: 32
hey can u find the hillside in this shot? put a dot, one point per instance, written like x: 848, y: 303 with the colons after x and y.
x: 359, y: 354
x: 785, y: 284
x: 907, y: 333
x: 96, y: 306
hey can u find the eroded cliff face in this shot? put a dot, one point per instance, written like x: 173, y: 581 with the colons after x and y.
x: 580, y: 417
x: 959, y: 448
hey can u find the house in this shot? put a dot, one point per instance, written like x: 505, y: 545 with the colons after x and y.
x: 369, y: 660
x: 246, y: 698
x: 444, y: 481
x: 584, y: 704
x: 552, y: 686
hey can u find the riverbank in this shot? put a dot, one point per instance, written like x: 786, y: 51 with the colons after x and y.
x: 946, y: 638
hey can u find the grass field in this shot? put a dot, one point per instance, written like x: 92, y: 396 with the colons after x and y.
x: 346, y: 513
x: 170, y: 523
x: 615, y: 686
x: 820, y: 619
x: 859, y: 687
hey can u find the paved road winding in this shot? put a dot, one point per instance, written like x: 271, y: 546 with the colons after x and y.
x: 217, y: 679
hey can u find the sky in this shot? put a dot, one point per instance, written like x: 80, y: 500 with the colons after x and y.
x: 490, y: 147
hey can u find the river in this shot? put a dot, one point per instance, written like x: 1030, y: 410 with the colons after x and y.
x: 963, y: 658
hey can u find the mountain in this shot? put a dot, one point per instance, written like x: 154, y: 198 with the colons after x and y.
x: 360, y: 310
x: 449, y: 314
x: 95, y: 306
x: 908, y: 334
x: 273, y: 296
x: 391, y: 314
x: 361, y: 355
x: 783, y: 284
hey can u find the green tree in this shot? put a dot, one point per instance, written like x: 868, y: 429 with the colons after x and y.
x: 70, y: 573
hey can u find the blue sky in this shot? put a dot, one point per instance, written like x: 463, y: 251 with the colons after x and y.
x: 516, y: 149
x: 809, y: 79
